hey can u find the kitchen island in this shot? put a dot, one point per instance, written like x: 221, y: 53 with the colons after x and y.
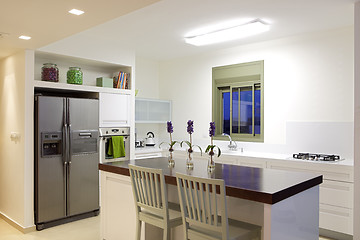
x: 284, y: 203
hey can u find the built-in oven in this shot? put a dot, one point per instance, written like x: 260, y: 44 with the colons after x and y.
x: 106, y: 135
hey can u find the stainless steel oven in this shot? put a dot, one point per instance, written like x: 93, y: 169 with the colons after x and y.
x: 105, y: 135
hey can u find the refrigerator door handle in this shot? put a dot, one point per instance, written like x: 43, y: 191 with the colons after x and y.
x: 64, y: 153
x: 69, y: 130
x: 68, y: 152
x: 64, y: 132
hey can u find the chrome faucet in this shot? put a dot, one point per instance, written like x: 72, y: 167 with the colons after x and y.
x: 232, y: 145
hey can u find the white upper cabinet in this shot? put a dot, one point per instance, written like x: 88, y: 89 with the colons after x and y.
x: 114, y: 110
x: 152, y: 111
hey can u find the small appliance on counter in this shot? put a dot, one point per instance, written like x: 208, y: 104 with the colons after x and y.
x: 149, y: 141
x: 139, y: 143
x: 317, y: 157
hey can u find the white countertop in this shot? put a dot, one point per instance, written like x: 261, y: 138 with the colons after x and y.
x: 276, y: 156
x: 286, y: 157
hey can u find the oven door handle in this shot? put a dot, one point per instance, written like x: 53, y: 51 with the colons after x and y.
x: 108, y: 136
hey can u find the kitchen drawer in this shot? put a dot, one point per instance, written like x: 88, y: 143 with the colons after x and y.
x: 336, y: 219
x: 147, y: 155
x: 251, y: 162
x: 226, y: 160
x: 329, y: 172
x: 336, y: 193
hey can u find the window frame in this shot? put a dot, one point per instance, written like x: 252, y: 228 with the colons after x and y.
x: 225, y: 78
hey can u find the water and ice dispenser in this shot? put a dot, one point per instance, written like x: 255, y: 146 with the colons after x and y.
x: 51, y: 144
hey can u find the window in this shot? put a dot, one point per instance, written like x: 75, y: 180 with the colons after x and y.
x: 238, y: 101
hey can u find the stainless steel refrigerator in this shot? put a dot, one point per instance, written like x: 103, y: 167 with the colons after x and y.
x: 66, y: 159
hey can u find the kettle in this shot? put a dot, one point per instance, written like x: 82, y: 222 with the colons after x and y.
x: 150, y: 139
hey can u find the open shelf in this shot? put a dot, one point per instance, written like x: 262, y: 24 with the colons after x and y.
x: 74, y: 87
x: 91, y: 70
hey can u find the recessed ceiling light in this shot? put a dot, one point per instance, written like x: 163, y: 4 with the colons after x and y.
x: 25, y: 37
x: 231, y: 33
x: 76, y: 11
x: 3, y: 34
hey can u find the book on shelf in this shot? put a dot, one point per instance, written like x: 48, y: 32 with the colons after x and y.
x: 121, y: 80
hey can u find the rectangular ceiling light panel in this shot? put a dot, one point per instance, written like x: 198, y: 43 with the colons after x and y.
x: 228, y: 34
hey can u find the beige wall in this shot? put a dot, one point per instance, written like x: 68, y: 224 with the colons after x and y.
x: 357, y: 124
x: 12, y: 112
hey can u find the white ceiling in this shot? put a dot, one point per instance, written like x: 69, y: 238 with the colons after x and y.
x: 49, y: 21
x: 157, y: 31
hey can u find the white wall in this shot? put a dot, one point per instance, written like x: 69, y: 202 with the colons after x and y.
x: 308, y: 79
x: 147, y: 76
x: 12, y: 112
x: 147, y: 84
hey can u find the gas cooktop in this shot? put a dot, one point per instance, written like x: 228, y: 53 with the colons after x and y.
x: 317, y: 157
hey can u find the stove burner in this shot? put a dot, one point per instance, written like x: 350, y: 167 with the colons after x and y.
x: 316, y: 157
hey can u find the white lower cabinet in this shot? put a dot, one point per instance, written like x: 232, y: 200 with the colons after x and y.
x: 336, y: 192
x: 336, y: 219
x: 336, y: 206
x: 117, y: 207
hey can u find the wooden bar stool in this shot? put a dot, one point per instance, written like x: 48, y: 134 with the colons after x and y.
x: 204, y: 212
x: 151, y: 201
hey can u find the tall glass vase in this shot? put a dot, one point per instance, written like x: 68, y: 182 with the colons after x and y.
x: 211, y: 163
x: 189, y: 159
x: 171, y: 161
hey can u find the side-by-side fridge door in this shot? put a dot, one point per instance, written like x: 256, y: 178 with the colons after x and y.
x: 50, y: 169
x: 83, y: 188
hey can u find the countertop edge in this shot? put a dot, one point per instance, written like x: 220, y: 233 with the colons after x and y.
x: 263, y: 197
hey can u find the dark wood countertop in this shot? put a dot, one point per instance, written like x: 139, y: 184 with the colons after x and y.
x: 256, y: 184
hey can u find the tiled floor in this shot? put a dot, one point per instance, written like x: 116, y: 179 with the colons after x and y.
x: 87, y: 229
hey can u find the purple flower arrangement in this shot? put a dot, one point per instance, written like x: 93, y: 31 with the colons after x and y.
x: 210, y: 148
x: 190, y: 127
x: 170, y: 130
x: 190, y: 130
x: 212, y: 130
x: 169, y: 127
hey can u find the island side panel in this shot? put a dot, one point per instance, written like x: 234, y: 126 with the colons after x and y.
x: 295, y: 218
x: 118, y: 216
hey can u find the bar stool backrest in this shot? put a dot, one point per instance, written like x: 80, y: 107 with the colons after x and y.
x: 149, y: 190
x: 203, y: 203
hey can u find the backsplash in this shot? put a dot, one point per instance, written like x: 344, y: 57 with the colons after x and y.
x: 314, y: 137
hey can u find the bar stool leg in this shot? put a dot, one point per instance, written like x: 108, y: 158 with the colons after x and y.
x: 138, y: 229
